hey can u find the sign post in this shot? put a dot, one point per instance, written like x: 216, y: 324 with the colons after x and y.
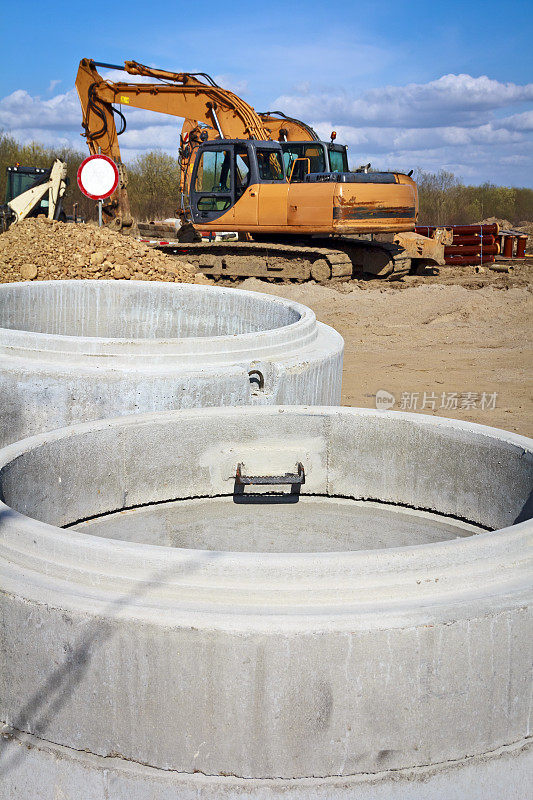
x: 98, y: 179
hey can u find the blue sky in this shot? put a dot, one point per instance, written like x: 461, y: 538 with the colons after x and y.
x: 406, y: 85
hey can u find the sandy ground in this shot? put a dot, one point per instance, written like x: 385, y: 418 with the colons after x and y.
x: 463, y: 339
x: 457, y: 344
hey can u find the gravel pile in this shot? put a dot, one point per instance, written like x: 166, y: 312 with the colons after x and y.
x: 38, y: 249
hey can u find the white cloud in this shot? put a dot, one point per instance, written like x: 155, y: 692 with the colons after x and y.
x: 516, y: 122
x: 451, y: 99
x: 20, y: 110
x: 457, y: 122
x: 383, y: 139
x: 478, y: 128
x: 231, y: 83
x: 121, y: 76
x: 152, y: 137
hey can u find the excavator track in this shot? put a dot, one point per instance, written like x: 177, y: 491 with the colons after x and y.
x: 229, y: 259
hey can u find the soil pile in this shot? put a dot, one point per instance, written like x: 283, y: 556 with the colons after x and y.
x: 504, y: 224
x: 526, y: 227
x: 38, y: 249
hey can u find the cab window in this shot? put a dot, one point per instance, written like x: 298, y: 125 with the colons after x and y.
x: 211, y: 203
x: 270, y: 165
x: 214, y: 173
x: 242, y: 170
x: 313, y: 152
x: 337, y: 160
x: 316, y: 158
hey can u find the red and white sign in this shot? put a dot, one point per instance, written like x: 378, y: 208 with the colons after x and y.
x: 98, y: 177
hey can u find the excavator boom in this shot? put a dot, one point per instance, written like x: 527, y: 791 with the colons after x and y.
x: 181, y: 94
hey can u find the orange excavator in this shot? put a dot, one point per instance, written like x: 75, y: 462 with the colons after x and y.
x: 299, y: 212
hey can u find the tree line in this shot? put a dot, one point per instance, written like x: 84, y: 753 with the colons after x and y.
x: 153, y: 188
x: 444, y: 200
x: 153, y: 178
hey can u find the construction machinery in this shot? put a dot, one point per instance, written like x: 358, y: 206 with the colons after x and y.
x: 297, y: 208
x: 31, y: 191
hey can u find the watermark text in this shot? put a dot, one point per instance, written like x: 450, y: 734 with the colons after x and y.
x: 436, y: 401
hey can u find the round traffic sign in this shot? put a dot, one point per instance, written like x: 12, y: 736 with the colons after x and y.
x: 98, y: 177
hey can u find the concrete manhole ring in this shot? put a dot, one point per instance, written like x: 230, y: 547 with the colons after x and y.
x: 72, y: 351
x: 140, y: 660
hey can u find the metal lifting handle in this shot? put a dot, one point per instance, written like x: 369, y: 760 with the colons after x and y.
x: 270, y: 480
x: 293, y: 479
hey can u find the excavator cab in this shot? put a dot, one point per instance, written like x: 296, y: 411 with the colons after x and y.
x: 223, y: 171
x: 243, y: 185
x: 302, y: 158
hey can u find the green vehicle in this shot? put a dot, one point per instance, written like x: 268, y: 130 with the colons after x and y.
x: 31, y: 191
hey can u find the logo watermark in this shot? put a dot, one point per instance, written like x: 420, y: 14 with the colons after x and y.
x: 437, y: 401
x: 384, y: 400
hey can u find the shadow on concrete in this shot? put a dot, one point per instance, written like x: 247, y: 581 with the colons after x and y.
x: 527, y: 510
x: 47, y: 700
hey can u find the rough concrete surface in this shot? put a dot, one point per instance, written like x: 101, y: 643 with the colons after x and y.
x: 217, y: 523
x: 157, y: 671
x: 73, y: 775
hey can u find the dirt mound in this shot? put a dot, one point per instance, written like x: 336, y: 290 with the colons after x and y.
x: 504, y: 224
x: 37, y: 249
x: 527, y: 228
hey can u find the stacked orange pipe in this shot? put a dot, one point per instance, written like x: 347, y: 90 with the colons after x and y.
x: 472, y: 244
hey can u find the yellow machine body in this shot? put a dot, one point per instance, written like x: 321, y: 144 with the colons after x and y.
x: 322, y: 208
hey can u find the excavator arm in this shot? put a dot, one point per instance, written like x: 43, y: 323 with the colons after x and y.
x: 287, y: 129
x: 180, y: 94
x: 209, y: 113
x: 191, y: 96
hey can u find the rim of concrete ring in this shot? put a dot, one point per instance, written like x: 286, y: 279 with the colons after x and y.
x: 269, y: 341
x: 305, y: 590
